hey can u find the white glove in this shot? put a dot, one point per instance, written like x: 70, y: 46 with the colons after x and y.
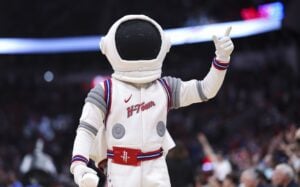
x: 85, y: 176
x: 224, y: 46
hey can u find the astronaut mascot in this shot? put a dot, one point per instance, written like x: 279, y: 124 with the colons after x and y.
x: 127, y: 113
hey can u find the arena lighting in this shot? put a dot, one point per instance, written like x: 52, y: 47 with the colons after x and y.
x: 48, y: 76
x: 179, y: 36
x: 270, y: 10
x: 240, y: 29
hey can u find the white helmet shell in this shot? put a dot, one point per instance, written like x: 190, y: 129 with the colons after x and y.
x: 134, y: 71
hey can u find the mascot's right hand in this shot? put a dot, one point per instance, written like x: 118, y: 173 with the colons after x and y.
x: 224, y: 46
x: 85, y: 176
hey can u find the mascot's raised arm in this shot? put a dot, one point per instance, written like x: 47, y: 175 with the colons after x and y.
x: 124, y: 117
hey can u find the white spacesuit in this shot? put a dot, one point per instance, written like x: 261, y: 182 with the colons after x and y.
x: 127, y: 113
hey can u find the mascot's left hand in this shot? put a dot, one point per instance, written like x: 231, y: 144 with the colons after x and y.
x: 224, y: 47
x: 85, y: 176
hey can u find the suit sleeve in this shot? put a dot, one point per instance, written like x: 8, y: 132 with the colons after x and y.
x: 90, y: 122
x: 185, y: 93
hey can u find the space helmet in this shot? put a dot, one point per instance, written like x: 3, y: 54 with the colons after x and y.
x: 135, y: 46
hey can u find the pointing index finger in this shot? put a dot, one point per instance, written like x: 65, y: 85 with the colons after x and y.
x: 228, y: 31
x: 215, y: 39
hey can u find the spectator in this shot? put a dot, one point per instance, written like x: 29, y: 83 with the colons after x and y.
x: 38, y: 167
x: 221, y: 165
x: 214, y: 182
x: 250, y: 178
x: 283, y: 176
x: 230, y: 181
x: 179, y: 166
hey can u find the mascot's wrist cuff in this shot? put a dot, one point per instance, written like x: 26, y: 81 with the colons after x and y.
x: 220, y: 65
x: 80, y: 159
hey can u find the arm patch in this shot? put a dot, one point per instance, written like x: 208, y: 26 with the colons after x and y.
x: 175, y: 84
x: 96, y: 97
x: 200, y: 91
x: 88, y: 127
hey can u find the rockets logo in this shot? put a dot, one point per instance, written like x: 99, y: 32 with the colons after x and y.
x: 125, y: 156
x: 139, y: 107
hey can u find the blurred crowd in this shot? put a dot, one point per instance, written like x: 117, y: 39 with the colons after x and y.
x: 250, y: 166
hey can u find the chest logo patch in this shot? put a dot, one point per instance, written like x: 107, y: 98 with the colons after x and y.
x: 135, y: 109
x: 160, y: 128
x: 118, y: 131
